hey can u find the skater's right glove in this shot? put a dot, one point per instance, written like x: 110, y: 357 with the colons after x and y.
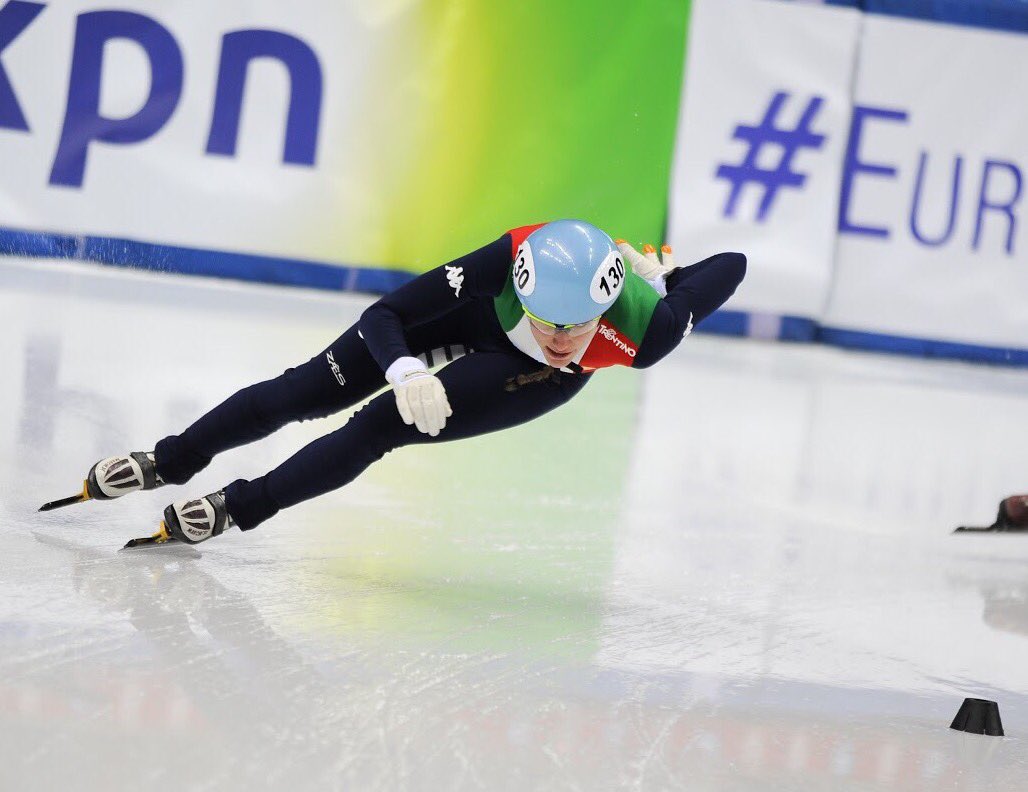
x: 420, y: 396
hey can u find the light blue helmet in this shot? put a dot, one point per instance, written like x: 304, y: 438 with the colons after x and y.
x: 568, y: 272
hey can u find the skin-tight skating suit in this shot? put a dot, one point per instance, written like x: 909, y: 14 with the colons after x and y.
x: 464, y: 314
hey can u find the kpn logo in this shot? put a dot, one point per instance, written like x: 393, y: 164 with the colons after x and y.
x: 771, y: 148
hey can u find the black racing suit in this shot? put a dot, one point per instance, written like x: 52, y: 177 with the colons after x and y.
x: 422, y: 318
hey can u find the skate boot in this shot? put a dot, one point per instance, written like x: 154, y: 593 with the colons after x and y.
x: 197, y: 520
x: 1013, y: 514
x: 116, y: 476
x: 113, y: 477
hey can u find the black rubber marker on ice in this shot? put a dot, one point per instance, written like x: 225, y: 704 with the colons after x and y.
x: 978, y: 716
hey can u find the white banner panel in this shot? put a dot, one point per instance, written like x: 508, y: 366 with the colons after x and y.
x: 380, y: 135
x: 246, y: 126
x: 932, y: 238
x: 761, y: 136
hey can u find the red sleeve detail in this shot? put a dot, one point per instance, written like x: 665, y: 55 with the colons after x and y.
x: 609, y: 347
x: 518, y: 235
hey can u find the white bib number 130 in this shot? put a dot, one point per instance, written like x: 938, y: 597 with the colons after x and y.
x: 608, y: 280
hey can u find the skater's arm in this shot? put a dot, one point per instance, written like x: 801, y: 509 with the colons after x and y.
x: 481, y: 273
x: 693, y: 293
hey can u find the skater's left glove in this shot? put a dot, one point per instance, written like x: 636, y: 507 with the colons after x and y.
x: 420, y: 396
x: 648, y: 266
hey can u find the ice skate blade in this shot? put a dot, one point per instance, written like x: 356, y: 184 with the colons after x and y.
x: 167, y: 552
x: 162, y: 537
x: 995, y: 529
x: 57, y: 504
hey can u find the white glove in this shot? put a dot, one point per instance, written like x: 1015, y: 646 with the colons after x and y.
x: 420, y: 396
x: 648, y: 266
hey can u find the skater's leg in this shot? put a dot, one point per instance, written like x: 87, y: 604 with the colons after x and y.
x: 338, y: 377
x: 476, y: 387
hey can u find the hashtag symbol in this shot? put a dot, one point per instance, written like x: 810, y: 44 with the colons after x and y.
x: 790, y: 140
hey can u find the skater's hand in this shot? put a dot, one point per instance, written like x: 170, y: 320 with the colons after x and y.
x: 420, y: 396
x: 647, y: 265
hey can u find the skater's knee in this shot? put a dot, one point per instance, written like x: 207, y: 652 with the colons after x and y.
x: 299, y: 394
x: 315, y: 411
x: 376, y: 428
x: 269, y: 408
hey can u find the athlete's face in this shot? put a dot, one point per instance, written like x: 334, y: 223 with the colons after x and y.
x: 560, y: 348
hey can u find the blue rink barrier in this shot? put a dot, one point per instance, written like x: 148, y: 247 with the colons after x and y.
x: 797, y: 328
x: 922, y: 347
x: 194, y: 261
x: 777, y: 328
x: 1009, y: 15
x: 294, y: 272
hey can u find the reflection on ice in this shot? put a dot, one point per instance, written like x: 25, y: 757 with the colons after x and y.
x: 802, y: 515
x: 730, y: 572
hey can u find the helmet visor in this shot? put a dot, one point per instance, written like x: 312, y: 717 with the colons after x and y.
x: 551, y: 329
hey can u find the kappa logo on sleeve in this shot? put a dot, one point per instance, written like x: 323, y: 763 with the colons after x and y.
x: 455, y: 276
x: 688, y: 327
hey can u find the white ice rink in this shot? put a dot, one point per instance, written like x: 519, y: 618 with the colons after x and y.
x: 733, y: 571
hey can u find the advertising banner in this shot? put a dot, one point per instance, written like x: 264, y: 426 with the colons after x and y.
x: 283, y: 136
x: 761, y: 137
x: 932, y: 237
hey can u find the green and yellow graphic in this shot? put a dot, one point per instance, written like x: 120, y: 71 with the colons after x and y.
x: 484, y: 116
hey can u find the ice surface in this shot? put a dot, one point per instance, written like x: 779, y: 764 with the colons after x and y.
x: 730, y: 572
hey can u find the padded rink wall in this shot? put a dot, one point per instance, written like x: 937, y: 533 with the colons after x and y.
x: 328, y: 143
x: 872, y: 166
x: 868, y: 155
